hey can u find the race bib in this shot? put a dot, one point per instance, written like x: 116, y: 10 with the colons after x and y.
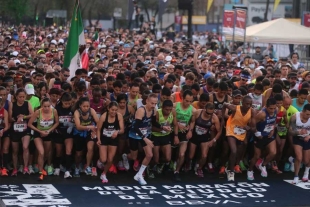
x: 64, y: 119
x: 200, y: 131
x: 268, y: 128
x: 182, y: 123
x: 281, y: 129
x: 20, y: 127
x: 46, y: 123
x: 239, y: 131
x: 256, y: 106
x: 108, y: 132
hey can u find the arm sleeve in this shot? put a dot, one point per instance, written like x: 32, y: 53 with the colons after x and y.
x: 138, y: 122
x: 155, y: 123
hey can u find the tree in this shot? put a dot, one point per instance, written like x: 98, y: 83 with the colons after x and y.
x: 18, y: 9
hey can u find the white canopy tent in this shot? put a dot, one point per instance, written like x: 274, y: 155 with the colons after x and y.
x: 278, y: 31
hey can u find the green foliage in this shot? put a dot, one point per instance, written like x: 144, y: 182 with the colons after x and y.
x: 17, y: 9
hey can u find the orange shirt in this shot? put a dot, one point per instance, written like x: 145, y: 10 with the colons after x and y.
x: 195, y: 104
x: 236, y: 123
x: 178, y: 97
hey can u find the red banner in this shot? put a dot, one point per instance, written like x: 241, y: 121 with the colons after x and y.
x: 306, y: 19
x: 240, y: 25
x: 228, y: 22
x: 178, y: 19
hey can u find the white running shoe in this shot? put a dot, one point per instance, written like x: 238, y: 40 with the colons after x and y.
x: 104, y: 179
x: 57, y: 171
x: 125, y: 162
x: 67, y: 175
x: 305, y: 177
x: 263, y: 170
x: 250, y: 175
x: 100, y: 165
x: 21, y: 169
x: 230, y: 175
x: 30, y: 168
x: 140, y: 179
x: 296, y: 180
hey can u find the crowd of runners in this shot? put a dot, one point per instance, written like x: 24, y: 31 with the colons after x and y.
x: 149, y: 105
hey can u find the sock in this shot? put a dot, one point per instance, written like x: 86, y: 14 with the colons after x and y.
x: 141, y: 170
x: 291, y: 159
x: 307, y: 170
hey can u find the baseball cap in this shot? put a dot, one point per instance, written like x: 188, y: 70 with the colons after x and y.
x: 153, y: 69
x: 126, y: 46
x: 236, y: 93
x: 29, y: 89
x: 168, y: 58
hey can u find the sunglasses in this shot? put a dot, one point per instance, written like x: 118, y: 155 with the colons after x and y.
x: 67, y: 76
x: 245, y: 80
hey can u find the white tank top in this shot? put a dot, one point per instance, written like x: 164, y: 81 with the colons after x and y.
x: 256, y: 102
x: 300, y: 125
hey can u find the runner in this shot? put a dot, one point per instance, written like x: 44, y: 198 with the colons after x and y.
x: 84, y: 134
x: 264, y: 137
x: 184, y: 114
x: 204, y: 120
x: 109, y: 127
x: 20, y: 112
x: 161, y: 137
x: 236, y: 130
x: 257, y: 97
x: 140, y: 134
x: 300, y: 130
x: 64, y: 134
x: 47, y: 121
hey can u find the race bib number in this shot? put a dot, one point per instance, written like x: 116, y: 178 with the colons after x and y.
x: 46, y: 123
x: 20, y: 127
x: 64, y: 119
x: 183, y: 124
x: 281, y: 129
x: 256, y: 106
x: 239, y: 131
x: 108, y: 133
x: 268, y: 128
x: 200, y: 131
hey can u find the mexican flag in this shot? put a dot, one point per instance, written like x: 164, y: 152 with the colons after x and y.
x: 96, y: 39
x: 75, y: 52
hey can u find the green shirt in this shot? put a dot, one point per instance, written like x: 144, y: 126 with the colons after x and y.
x: 35, y: 102
x: 163, y: 122
x: 282, y: 130
x: 183, y: 116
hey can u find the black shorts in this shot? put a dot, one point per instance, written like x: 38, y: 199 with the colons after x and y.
x: 263, y: 142
x: 80, y: 143
x: 109, y: 141
x: 134, y: 143
x: 238, y: 142
x: 298, y: 141
x: 182, y: 137
x: 17, y: 136
x: 61, y: 136
x: 45, y: 139
x: 161, y: 140
x: 197, y: 140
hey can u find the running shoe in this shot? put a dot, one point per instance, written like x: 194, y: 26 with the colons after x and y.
x: 250, y: 175
x: 103, y: 178
x: 94, y: 171
x: 210, y: 168
x: 160, y: 168
x: 222, y: 170
x: 275, y: 168
x: 120, y: 166
x: 76, y: 172
x: 296, y: 180
x: 20, y: 169
x: 176, y: 177
x: 57, y: 171
x: 305, y: 177
x: 242, y: 166
x: 88, y: 170
x: 136, y: 165
x: 14, y: 172
x: 149, y: 173
x: 36, y: 168
x: 100, y: 165
x: 140, y: 179
x: 26, y: 171
x: 230, y: 175
x: 292, y: 167
x: 67, y: 175
x: 63, y: 169
x: 258, y: 162
x: 41, y: 177
x: 4, y: 172
x: 263, y: 170
x: 237, y: 169
x: 125, y: 162
x: 188, y: 166
x: 287, y: 167
x: 44, y: 173
x: 113, y: 169
x: 50, y: 170
x: 31, y: 170
x: 200, y: 173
